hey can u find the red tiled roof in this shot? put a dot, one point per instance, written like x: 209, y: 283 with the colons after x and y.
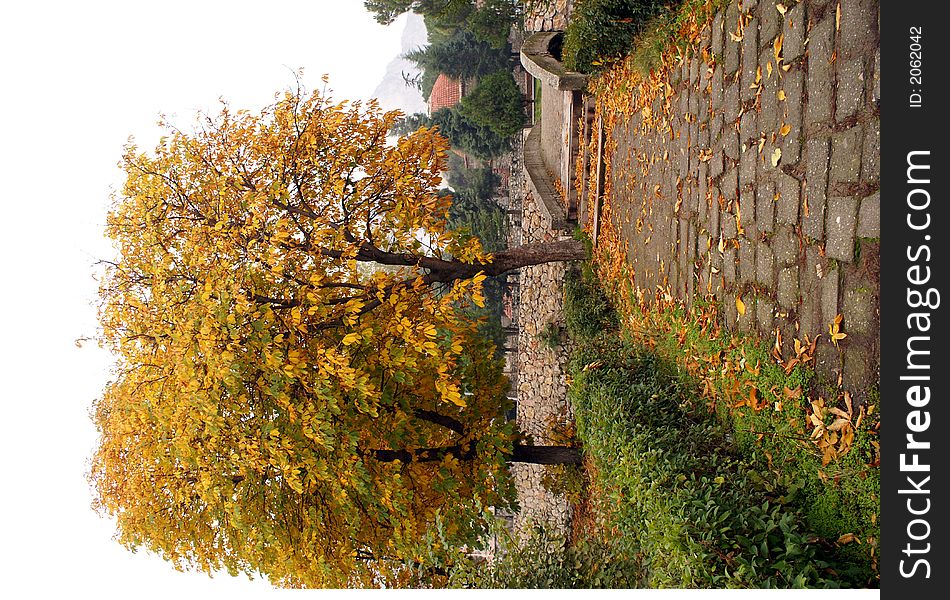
x: 446, y: 93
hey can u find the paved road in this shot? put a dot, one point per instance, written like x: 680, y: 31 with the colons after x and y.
x: 763, y: 183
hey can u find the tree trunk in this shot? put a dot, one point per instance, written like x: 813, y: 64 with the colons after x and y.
x: 546, y: 455
x: 535, y: 254
x: 537, y: 455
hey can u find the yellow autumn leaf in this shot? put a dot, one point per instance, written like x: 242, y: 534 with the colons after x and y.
x: 781, y: 9
x: 350, y: 338
x: 780, y: 95
x: 776, y: 156
x: 786, y: 129
x: 740, y: 305
x: 847, y: 538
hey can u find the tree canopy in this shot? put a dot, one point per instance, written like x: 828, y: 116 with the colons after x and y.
x: 496, y: 103
x: 462, y: 56
x: 275, y: 408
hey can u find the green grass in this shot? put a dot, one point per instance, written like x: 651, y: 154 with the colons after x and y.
x: 537, y: 100
x: 724, y: 498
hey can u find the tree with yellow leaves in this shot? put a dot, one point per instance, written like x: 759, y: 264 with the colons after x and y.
x: 276, y: 408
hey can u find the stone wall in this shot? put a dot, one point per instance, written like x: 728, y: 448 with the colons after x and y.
x: 542, y: 389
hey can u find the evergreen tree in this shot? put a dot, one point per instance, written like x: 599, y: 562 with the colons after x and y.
x: 496, y: 103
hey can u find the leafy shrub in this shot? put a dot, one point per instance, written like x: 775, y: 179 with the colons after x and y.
x: 601, y: 30
x: 496, y: 103
x: 548, y: 560
x: 550, y: 336
x: 492, y: 21
x: 680, y: 491
x: 587, y: 310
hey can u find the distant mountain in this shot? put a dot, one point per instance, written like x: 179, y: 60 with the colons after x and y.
x: 392, y: 92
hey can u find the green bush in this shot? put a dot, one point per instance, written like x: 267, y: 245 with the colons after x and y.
x: 680, y: 491
x: 587, y: 310
x: 547, y: 560
x: 601, y: 30
x: 496, y: 103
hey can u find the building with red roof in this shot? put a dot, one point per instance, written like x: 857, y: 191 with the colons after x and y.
x: 446, y: 93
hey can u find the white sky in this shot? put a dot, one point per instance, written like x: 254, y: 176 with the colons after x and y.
x: 78, y: 78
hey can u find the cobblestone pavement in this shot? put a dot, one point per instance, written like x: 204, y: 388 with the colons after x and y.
x: 764, y: 183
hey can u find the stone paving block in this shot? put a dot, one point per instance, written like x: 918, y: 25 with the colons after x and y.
x: 682, y: 240
x: 712, y: 214
x: 858, y: 26
x: 765, y: 205
x: 750, y: 58
x: 727, y: 222
x: 729, y: 184
x: 816, y: 177
x: 729, y: 258
x: 860, y: 370
x: 731, y: 313
x: 715, y: 128
x: 809, y: 316
x: 840, y: 227
x: 792, y: 85
x: 829, y: 297
x: 749, y: 5
x: 731, y: 102
x: 827, y: 361
x: 871, y: 152
x: 730, y: 142
x: 808, y: 277
x: 764, y: 315
x: 704, y: 279
x: 746, y: 322
x: 705, y: 76
x: 703, y: 243
x: 768, y: 117
x: 730, y: 48
x: 793, y: 30
x: 747, y: 166
x: 850, y: 88
x: 715, y: 164
x: 876, y: 89
x: 789, y: 199
x: 869, y: 217
x: 770, y: 23
x: 717, y: 34
x: 747, y: 131
x: 787, y: 289
x: 747, y: 202
x: 858, y: 306
x: 694, y: 70
x: 699, y: 204
x: 691, y: 258
x: 746, y: 261
x: 716, y: 89
x: 764, y: 265
x: 785, y: 246
x: 820, y: 71
x: 846, y: 156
